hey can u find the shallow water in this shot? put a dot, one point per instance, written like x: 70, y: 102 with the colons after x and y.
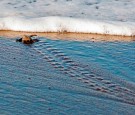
x: 67, y: 77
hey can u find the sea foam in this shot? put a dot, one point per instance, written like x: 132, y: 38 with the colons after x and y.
x: 67, y: 24
x: 80, y: 16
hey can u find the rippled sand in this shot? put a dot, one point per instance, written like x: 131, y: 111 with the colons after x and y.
x: 61, y: 77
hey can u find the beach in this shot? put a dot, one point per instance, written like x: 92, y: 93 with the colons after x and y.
x: 70, y: 36
x: 58, y: 76
x: 83, y: 60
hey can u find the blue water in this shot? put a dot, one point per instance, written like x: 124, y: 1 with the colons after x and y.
x: 59, y: 77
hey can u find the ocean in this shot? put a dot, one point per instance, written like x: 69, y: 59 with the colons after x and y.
x: 113, y: 17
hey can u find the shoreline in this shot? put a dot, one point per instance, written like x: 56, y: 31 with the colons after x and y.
x: 70, y: 36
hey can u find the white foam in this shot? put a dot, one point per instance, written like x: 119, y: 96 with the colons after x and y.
x: 60, y: 24
x: 34, y: 16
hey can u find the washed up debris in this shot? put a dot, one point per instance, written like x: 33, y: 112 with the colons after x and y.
x: 27, y: 39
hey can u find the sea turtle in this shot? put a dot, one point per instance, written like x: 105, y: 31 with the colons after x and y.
x: 27, y: 39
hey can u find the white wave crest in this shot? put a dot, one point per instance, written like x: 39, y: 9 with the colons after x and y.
x: 67, y: 24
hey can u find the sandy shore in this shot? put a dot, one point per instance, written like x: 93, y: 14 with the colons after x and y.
x: 35, y: 79
x: 70, y: 36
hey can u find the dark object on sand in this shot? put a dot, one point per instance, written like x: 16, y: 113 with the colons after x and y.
x: 27, y: 39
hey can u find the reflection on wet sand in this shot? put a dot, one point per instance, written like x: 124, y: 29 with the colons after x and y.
x: 71, y: 36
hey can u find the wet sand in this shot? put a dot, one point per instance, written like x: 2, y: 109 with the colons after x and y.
x: 71, y: 36
x: 35, y: 80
